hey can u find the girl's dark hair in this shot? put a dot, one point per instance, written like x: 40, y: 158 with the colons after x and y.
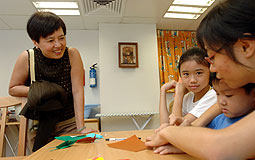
x: 225, y: 24
x: 44, y: 24
x: 196, y: 54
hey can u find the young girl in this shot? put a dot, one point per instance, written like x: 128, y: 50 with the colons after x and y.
x: 195, y: 74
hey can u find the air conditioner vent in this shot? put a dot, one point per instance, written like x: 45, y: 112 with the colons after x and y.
x: 102, y: 2
x: 92, y: 6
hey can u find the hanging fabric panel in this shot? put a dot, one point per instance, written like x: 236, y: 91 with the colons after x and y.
x: 171, y: 45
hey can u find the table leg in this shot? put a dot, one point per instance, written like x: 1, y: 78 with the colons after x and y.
x: 145, y: 123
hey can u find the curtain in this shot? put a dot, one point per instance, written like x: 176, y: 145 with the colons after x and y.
x: 171, y: 45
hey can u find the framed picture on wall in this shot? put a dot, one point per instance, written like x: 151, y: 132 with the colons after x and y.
x: 128, y: 55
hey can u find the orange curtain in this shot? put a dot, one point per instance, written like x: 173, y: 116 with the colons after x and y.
x: 171, y: 45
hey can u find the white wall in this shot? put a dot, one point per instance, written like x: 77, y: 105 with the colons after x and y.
x: 124, y: 89
x: 13, y: 42
x: 86, y: 41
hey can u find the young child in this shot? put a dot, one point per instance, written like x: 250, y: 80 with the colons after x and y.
x: 195, y: 75
x: 234, y: 103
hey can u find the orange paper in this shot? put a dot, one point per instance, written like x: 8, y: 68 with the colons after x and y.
x: 131, y: 144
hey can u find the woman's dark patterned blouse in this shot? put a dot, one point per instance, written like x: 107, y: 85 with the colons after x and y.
x: 56, y: 71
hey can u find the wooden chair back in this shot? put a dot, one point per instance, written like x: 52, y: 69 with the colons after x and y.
x: 6, y: 102
x: 170, y: 109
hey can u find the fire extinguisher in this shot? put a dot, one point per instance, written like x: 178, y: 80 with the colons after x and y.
x: 93, y: 76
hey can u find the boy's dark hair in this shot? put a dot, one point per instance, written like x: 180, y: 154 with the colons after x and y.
x: 44, y: 24
x: 196, y: 54
x: 247, y: 88
x: 225, y: 24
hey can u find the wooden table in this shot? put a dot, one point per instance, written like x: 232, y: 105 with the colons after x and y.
x: 90, y: 150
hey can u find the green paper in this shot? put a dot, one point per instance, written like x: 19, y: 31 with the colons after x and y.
x: 63, y: 145
x: 71, y: 138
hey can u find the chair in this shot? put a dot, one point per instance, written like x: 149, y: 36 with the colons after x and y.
x: 6, y: 102
x: 170, y: 108
x: 93, y: 123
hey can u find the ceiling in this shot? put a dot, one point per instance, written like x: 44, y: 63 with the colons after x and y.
x: 15, y: 13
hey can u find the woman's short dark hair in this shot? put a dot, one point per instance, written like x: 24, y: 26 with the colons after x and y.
x: 196, y: 54
x: 226, y: 23
x: 42, y: 24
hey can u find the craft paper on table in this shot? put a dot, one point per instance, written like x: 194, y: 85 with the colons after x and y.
x: 99, y: 157
x: 63, y: 145
x: 92, y: 135
x: 86, y: 140
x: 131, y: 144
x: 69, y: 138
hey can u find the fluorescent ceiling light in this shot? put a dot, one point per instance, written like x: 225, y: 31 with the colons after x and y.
x: 180, y: 15
x: 55, y: 4
x: 194, y: 2
x: 186, y: 9
x: 61, y: 11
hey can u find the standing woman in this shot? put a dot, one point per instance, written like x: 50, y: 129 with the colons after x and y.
x: 228, y: 35
x: 56, y: 63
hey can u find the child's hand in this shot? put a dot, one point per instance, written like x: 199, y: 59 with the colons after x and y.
x: 162, y: 126
x: 178, y: 121
x: 175, y: 120
x: 180, y: 89
x: 167, y: 149
x: 169, y: 85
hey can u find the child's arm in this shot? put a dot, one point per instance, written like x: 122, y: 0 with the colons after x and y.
x: 176, y: 117
x: 162, y: 104
x: 190, y: 118
x: 180, y: 91
x: 207, y: 116
x: 203, y: 105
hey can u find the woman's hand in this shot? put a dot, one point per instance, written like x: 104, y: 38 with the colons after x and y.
x: 162, y: 126
x: 155, y: 141
x: 167, y: 149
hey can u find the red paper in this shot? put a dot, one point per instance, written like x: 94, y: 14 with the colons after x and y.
x: 86, y: 140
